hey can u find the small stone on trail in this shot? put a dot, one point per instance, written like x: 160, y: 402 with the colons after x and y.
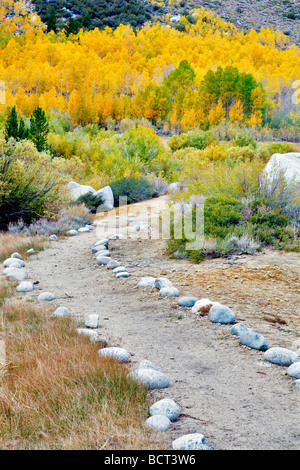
x: 161, y: 282
x: 14, y: 263
x: 61, y: 312
x: 116, y: 353
x: 281, y: 356
x: 151, y: 378
x: 238, y: 329
x: 16, y: 255
x: 16, y: 274
x: 94, y: 336
x: 166, y: 407
x: 25, y: 286
x: 103, y: 260
x: 123, y: 274
x: 294, y: 370
x: 253, y: 340
x: 146, y: 282
x: 72, y: 233
x: 53, y: 238
x: 158, y: 423
x: 113, y: 264
x: 46, y: 297
x: 221, y: 314
x: 190, y: 442
x: 187, y: 301
x: 203, y: 306
x: 169, y: 292
x: 92, y: 321
x: 120, y: 269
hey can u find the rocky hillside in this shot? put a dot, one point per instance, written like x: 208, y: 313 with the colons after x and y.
x: 282, y: 15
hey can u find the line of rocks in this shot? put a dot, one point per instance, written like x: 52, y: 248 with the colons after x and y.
x: 163, y: 412
x: 217, y: 313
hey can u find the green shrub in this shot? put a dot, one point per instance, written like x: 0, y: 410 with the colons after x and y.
x: 90, y: 201
x: 32, y: 185
x: 135, y: 189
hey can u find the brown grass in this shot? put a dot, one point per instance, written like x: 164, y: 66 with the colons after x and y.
x: 11, y: 243
x: 56, y: 392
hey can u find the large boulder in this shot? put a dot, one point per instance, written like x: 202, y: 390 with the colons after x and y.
x: 287, y: 163
x: 107, y: 198
x: 77, y: 190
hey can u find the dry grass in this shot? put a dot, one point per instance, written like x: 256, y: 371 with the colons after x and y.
x: 11, y: 243
x: 56, y: 392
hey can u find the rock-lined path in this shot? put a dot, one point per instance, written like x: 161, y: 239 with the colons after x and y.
x: 226, y: 392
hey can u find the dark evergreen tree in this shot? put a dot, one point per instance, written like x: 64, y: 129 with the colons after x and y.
x: 39, y: 129
x: 23, y: 132
x: 12, y: 126
x: 51, y: 20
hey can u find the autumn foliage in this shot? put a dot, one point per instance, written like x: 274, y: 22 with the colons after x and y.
x: 192, y: 78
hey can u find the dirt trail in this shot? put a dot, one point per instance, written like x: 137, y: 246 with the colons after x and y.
x: 224, y: 391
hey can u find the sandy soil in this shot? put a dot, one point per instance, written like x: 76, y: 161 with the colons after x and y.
x: 223, y: 388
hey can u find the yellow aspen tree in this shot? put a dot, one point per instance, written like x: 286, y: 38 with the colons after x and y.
x: 236, y: 113
x: 216, y: 114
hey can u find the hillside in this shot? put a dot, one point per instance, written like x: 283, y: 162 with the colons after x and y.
x: 280, y: 15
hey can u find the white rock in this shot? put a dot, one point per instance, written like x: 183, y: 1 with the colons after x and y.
x: 99, y: 248
x: 281, y: 356
x: 161, y: 282
x: 166, y: 407
x: 151, y: 378
x: 30, y: 251
x: 116, y: 353
x: 83, y: 230
x: 113, y: 264
x: 294, y: 370
x: 77, y: 190
x: 16, y: 255
x: 120, y: 269
x: 203, y: 306
x: 94, y: 336
x: 92, y: 321
x: 25, y: 286
x: 107, y: 198
x: 103, y: 253
x: 104, y: 242
x: 123, y: 274
x: 189, y: 442
x: 17, y: 274
x: 158, y: 423
x: 46, y: 297
x: 53, y: 238
x: 169, y: 292
x: 103, y: 260
x: 14, y: 263
x: 175, y: 19
x: 72, y: 233
x: 173, y: 187
x: 287, y: 163
x: 146, y: 282
x: 61, y: 312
